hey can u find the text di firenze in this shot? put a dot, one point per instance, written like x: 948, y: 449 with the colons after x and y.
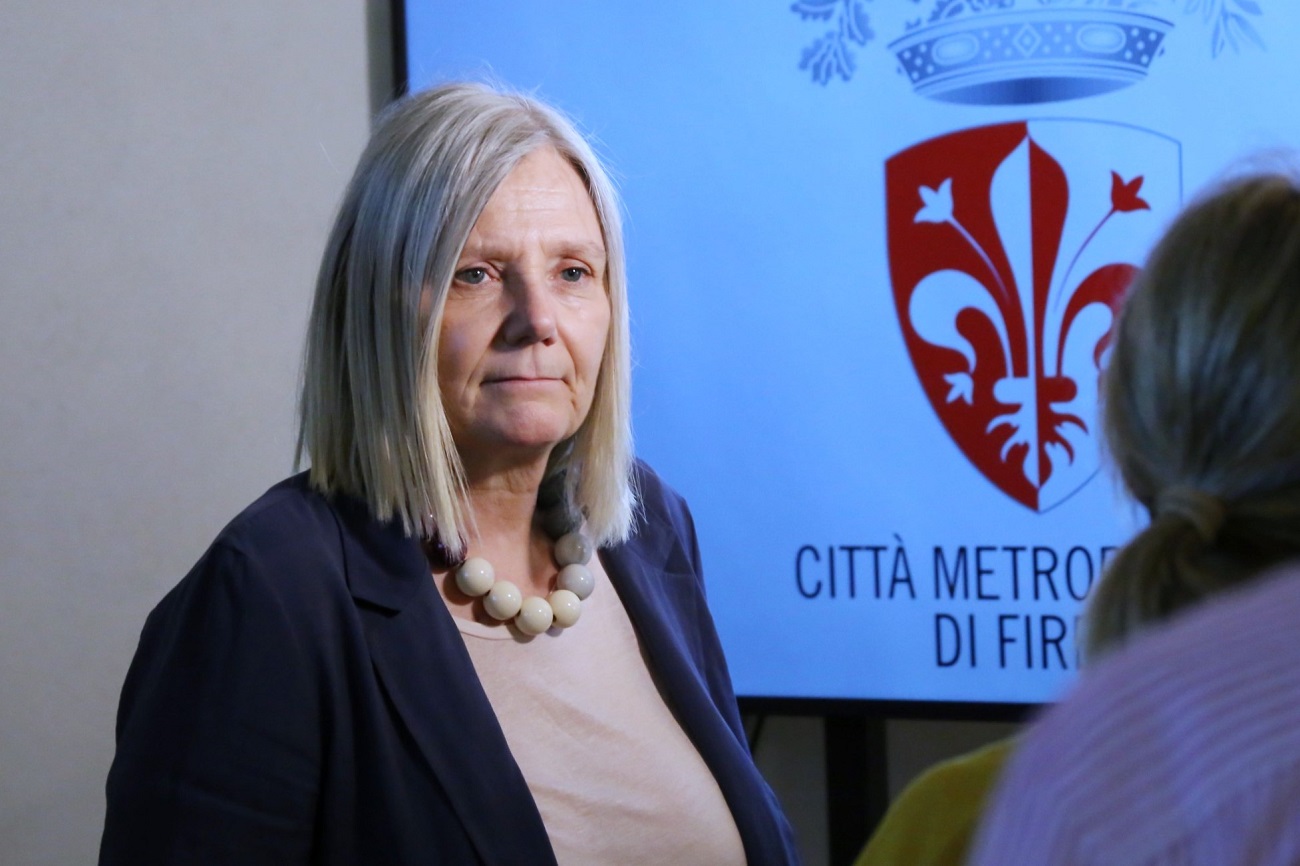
x: 980, y: 574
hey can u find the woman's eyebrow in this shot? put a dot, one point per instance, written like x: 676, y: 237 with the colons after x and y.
x: 583, y: 250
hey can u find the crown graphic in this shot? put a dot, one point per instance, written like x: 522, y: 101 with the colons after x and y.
x: 996, y: 53
x: 1020, y: 51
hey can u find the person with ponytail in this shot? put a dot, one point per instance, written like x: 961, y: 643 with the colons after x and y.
x: 1181, y: 741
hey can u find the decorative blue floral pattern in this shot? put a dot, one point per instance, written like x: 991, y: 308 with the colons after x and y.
x: 1230, y: 26
x: 831, y: 55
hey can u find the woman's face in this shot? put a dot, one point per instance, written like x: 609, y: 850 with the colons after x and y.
x: 524, y: 326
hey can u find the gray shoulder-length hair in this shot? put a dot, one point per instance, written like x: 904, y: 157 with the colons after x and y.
x: 372, y: 420
x: 1201, y: 407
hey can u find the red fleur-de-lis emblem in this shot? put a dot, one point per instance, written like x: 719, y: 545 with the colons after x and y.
x: 1009, y: 256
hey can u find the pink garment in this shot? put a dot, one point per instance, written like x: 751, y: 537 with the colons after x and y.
x: 613, y: 774
x: 1183, y: 748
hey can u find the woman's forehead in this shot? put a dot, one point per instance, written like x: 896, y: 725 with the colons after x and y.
x: 541, y: 202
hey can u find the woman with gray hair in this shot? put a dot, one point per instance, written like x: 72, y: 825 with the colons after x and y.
x: 1182, y: 744
x: 474, y: 631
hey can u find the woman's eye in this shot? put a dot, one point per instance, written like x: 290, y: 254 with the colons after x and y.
x: 573, y: 275
x: 472, y: 276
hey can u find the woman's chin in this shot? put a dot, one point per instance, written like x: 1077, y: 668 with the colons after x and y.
x: 535, y: 439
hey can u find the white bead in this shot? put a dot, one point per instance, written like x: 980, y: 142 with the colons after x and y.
x: 503, y: 600
x: 574, y: 548
x: 576, y: 579
x: 475, y: 576
x: 534, y: 616
x: 566, y: 606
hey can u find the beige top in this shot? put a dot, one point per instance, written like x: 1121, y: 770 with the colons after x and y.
x: 614, y: 775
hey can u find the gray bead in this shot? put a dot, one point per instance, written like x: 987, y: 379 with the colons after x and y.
x: 573, y: 548
x: 577, y: 580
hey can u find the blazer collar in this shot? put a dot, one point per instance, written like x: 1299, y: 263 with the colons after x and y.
x: 658, y: 588
x: 421, y: 660
x: 385, y: 567
x: 657, y: 580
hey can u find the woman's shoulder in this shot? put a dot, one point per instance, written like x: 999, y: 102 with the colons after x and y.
x: 1190, y: 664
x: 1167, y: 720
x: 656, y: 497
x: 969, y: 774
x: 288, y: 512
x: 286, y: 543
x: 934, y: 819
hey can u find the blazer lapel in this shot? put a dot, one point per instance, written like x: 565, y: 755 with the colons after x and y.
x: 421, y: 662
x: 659, y: 592
x: 657, y: 583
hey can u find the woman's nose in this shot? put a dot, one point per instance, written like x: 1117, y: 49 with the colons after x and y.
x: 532, y: 311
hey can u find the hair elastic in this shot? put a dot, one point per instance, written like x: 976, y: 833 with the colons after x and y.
x: 1202, y: 510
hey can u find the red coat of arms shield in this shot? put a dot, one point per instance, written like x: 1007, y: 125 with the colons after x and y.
x: 1010, y: 247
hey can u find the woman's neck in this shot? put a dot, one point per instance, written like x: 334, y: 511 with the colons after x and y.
x: 505, y: 530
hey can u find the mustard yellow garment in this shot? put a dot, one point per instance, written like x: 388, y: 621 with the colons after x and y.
x: 933, y: 821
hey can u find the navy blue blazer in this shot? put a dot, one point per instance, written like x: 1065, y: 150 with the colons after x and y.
x: 304, y: 697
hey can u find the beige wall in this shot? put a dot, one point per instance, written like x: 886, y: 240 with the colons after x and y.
x: 168, y: 173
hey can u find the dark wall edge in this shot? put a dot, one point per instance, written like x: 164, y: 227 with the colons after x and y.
x: 397, y: 28
x: 935, y: 710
